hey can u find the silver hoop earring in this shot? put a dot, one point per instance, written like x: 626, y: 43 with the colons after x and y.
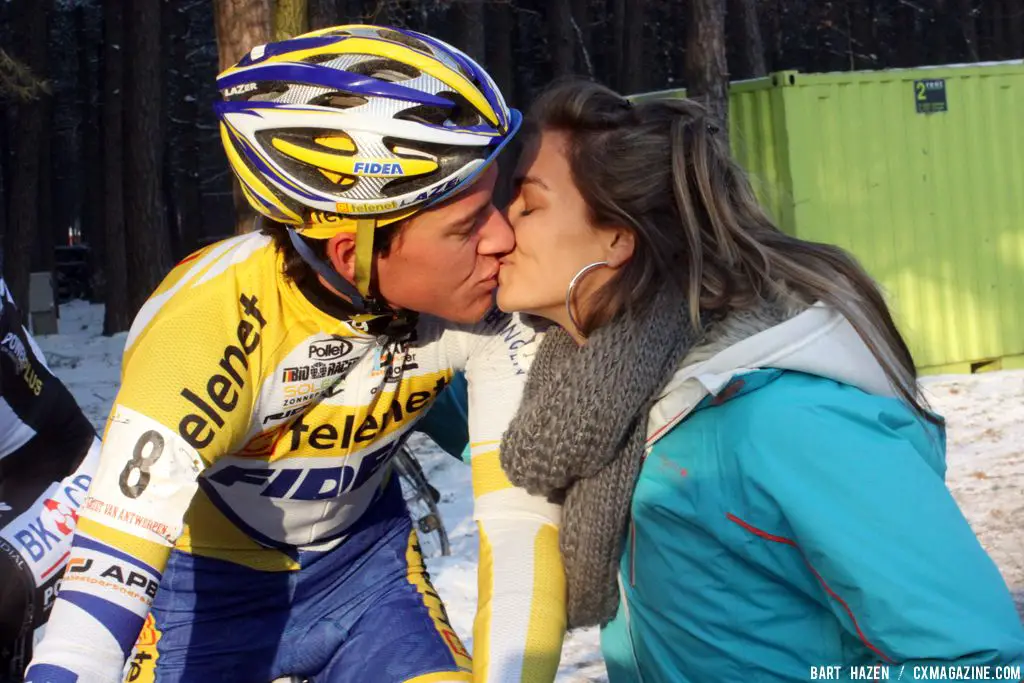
x: 572, y: 286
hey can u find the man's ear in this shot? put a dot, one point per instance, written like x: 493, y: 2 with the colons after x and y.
x: 341, y: 252
x: 619, y: 246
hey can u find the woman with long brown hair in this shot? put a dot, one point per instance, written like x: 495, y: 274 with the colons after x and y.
x: 752, y: 482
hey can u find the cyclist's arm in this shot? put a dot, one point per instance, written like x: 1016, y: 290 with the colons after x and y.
x: 161, y: 433
x: 520, y: 621
x: 48, y: 454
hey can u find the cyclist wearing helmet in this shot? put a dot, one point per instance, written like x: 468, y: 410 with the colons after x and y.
x: 243, y: 517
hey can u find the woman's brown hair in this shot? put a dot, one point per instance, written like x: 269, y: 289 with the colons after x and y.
x: 661, y: 169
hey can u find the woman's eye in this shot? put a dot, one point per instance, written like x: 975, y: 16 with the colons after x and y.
x: 525, y: 212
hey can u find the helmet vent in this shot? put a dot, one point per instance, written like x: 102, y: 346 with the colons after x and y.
x: 463, y: 114
x: 390, y: 70
x: 338, y: 100
x: 424, y: 113
x: 449, y: 158
x: 319, y: 59
x: 404, y: 39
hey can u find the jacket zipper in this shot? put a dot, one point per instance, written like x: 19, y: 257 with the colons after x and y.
x: 632, y: 527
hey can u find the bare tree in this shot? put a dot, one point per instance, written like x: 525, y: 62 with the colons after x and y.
x: 743, y: 15
x: 469, y: 27
x: 707, y: 77
x: 28, y: 111
x: 501, y: 28
x: 241, y: 25
x: 581, y: 28
x: 182, y: 148
x: 969, y: 26
x: 323, y: 13
x: 117, y: 316
x: 290, y: 19
x: 561, y: 36
x: 629, y: 46
x: 145, y: 223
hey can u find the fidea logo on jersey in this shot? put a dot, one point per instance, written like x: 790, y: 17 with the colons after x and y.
x: 222, y: 388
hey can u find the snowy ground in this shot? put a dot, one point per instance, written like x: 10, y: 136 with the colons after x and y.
x: 985, y: 414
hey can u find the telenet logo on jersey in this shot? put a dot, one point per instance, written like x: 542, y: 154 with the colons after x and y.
x: 222, y: 387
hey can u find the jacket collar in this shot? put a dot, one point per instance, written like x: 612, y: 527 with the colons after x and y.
x: 818, y: 341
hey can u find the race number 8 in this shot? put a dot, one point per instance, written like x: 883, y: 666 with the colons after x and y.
x: 141, y: 463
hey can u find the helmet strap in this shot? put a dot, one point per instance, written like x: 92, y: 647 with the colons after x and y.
x: 364, y: 254
x: 364, y: 303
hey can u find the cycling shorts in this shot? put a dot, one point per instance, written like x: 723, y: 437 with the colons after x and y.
x: 362, y: 612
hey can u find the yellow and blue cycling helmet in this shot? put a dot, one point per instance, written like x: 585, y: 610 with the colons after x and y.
x: 358, y: 121
x: 354, y: 127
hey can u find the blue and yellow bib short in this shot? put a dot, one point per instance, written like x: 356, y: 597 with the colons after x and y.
x: 364, y: 612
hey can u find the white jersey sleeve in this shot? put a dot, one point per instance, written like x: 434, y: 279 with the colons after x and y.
x: 520, y: 620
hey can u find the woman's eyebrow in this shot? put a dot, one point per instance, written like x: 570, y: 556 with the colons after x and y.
x: 531, y: 180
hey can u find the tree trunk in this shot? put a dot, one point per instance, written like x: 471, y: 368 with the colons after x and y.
x: 290, y: 19
x: 323, y: 13
x: 707, y: 77
x: 616, y: 71
x: 501, y: 28
x: 524, y: 45
x: 680, y: 18
x: 28, y: 118
x: 581, y: 36
x: 89, y: 144
x: 969, y: 27
x: 750, y: 52
x: 182, y: 151
x: 117, y: 316
x: 561, y: 38
x: 469, y: 27
x: 145, y: 225
x: 1014, y: 11
x: 633, y: 74
x: 241, y: 25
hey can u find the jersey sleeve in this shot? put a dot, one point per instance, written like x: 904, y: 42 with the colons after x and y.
x: 181, y: 405
x: 521, y: 620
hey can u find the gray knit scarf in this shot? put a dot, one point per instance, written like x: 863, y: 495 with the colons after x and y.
x: 580, y: 433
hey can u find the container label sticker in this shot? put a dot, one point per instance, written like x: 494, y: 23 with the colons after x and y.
x: 930, y: 95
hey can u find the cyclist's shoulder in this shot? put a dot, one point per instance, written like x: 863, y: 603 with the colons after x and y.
x: 237, y: 260
x: 212, y: 291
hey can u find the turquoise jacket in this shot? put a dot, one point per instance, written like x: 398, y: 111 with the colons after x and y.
x: 792, y: 513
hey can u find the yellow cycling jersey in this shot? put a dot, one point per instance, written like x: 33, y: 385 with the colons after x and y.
x: 255, y: 422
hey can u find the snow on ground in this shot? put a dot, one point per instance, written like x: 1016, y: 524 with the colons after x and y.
x: 985, y: 415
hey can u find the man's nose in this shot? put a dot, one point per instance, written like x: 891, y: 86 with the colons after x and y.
x: 496, y: 236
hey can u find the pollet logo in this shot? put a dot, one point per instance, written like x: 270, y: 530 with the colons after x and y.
x: 329, y: 349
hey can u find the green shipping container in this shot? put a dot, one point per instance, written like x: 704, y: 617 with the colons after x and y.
x: 920, y: 174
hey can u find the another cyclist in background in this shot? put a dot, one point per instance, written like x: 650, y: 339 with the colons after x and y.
x: 48, y: 453
x: 243, y: 518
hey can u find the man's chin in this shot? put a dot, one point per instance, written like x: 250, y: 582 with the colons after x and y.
x: 468, y: 313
